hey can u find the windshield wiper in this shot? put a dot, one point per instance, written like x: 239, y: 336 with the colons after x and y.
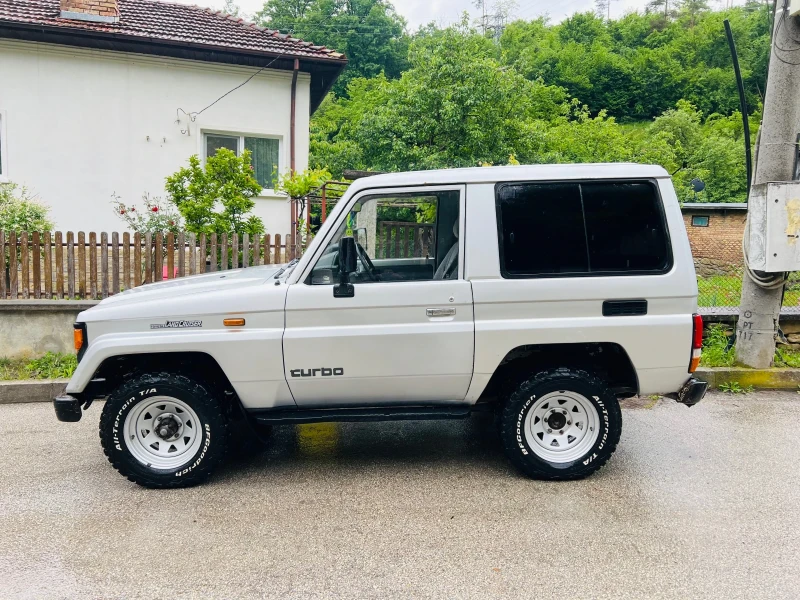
x: 281, y: 271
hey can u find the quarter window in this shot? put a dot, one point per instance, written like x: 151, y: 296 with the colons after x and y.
x: 264, y: 154
x: 552, y: 229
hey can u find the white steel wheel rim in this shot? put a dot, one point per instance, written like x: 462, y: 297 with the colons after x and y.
x: 578, y: 429
x: 143, y: 440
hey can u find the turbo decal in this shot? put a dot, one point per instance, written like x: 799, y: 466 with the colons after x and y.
x: 321, y: 372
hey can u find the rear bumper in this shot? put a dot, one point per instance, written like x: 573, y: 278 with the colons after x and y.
x: 691, y: 392
x: 68, y: 409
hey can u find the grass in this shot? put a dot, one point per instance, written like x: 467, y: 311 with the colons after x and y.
x: 734, y: 387
x: 726, y: 290
x: 719, y: 352
x: 719, y: 290
x: 49, y: 366
x: 716, y: 352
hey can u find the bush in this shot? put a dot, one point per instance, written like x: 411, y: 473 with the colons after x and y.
x: 152, y: 217
x: 20, y: 211
x: 216, y: 197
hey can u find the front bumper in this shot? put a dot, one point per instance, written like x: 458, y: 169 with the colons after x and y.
x: 691, y: 392
x: 68, y: 409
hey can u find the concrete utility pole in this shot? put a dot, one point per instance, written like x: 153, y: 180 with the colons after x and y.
x: 776, y: 150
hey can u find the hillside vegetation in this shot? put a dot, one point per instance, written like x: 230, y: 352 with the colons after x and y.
x: 650, y: 87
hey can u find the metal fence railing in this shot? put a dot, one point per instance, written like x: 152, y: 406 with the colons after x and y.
x: 726, y: 290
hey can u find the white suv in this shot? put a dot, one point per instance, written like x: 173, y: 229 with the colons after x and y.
x: 543, y: 293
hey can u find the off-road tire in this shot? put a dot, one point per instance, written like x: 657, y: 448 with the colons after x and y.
x: 513, y: 422
x: 199, y: 396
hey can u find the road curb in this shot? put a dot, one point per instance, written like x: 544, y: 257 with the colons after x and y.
x: 34, y: 390
x: 761, y: 379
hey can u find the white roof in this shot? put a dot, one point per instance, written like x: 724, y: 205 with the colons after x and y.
x: 512, y: 173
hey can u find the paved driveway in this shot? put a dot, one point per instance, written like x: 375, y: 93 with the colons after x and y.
x: 697, y: 503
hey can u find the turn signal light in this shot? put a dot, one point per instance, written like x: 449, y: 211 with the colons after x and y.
x: 77, y: 336
x: 233, y: 322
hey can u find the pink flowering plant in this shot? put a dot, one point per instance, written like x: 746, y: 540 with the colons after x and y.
x: 151, y: 216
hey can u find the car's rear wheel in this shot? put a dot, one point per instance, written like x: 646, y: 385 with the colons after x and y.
x: 561, y: 424
x: 163, y: 430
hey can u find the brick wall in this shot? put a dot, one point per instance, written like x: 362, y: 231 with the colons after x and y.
x: 101, y: 8
x: 717, y: 248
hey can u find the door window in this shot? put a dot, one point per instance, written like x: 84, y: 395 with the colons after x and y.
x: 401, y: 237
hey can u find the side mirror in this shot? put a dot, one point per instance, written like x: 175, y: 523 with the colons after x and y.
x: 348, y: 258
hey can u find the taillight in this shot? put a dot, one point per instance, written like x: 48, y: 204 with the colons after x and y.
x: 697, y: 342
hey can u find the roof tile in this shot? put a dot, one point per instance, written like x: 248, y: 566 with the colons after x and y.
x: 171, y: 22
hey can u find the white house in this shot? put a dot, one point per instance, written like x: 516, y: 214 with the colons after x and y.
x: 108, y: 97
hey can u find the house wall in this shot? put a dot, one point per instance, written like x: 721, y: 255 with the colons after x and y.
x: 81, y: 125
x: 717, y: 249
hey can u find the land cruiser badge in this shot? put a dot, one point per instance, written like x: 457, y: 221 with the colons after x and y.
x: 176, y: 324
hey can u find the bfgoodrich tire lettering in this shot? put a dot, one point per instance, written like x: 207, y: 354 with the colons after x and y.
x: 185, y: 458
x: 586, y: 432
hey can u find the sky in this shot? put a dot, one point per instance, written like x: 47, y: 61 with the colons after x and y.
x: 444, y: 12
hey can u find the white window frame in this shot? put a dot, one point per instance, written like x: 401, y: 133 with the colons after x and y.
x: 240, y: 149
x: 4, y: 177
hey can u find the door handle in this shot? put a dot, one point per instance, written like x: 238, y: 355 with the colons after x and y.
x: 440, y: 312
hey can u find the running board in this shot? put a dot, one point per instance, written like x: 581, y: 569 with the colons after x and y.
x: 372, y: 413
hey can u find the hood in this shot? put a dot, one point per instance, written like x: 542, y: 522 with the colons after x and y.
x: 195, y: 294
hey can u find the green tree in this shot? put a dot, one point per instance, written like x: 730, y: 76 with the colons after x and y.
x: 216, y: 197
x: 21, y: 211
x: 369, y: 32
x: 456, y: 106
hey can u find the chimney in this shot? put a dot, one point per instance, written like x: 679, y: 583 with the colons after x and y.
x: 98, y: 11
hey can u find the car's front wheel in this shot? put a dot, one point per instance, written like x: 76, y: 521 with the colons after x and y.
x: 163, y: 430
x: 561, y: 424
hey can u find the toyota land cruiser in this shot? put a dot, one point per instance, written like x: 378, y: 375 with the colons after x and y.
x: 541, y: 293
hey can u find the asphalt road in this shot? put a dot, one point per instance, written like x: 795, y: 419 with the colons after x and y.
x: 696, y: 503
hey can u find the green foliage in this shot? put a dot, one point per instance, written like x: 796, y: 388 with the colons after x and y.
x: 734, y: 387
x: 20, y: 211
x: 369, y: 32
x: 152, y: 216
x: 711, y: 151
x: 300, y: 183
x: 49, y: 366
x: 716, y: 350
x: 638, y: 66
x: 216, y: 197
x: 455, y: 106
x: 653, y: 88
x: 297, y: 185
x: 785, y: 357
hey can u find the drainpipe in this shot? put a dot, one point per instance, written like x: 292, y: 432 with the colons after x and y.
x: 292, y: 144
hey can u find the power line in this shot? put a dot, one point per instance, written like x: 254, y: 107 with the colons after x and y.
x: 192, y: 116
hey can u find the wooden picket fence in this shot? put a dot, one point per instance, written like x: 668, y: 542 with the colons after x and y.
x: 48, y: 266
x: 400, y: 239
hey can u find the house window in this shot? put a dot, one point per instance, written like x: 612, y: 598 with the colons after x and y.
x: 698, y: 221
x: 264, y: 154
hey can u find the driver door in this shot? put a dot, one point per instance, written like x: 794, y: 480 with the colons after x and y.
x: 407, y: 335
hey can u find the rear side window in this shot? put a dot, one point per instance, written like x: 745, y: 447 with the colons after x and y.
x: 591, y: 228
